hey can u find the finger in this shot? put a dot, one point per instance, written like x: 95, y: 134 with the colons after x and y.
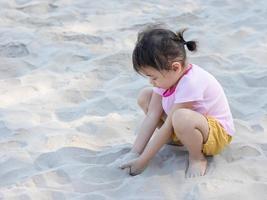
x: 125, y: 165
x: 117, y: 163
x: 133, y: 173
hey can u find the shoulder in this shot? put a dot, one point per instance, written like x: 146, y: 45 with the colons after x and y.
x: 199, y: 72
x: 195, y: 77
x: 192, y: 86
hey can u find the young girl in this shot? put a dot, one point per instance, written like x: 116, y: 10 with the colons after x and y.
x: 188, y: 99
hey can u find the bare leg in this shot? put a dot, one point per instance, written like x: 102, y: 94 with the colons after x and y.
x: 192, y: 129
x: 144, y: 99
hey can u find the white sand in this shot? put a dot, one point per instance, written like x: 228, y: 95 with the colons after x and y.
x: 68, y: 98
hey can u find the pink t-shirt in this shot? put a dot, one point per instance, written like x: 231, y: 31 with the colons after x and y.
x: 200, y: 87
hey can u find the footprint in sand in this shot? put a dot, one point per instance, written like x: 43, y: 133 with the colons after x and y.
x: 241, y: 152
x: 13, y: 50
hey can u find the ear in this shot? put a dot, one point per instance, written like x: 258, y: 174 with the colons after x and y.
x: 177, y: 67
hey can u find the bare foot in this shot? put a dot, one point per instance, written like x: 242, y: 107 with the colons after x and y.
x: 196, y: 168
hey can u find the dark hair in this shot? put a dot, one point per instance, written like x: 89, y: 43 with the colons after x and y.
x: 158, y: 47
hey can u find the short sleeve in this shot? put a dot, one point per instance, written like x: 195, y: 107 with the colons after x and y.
x: 159, y: 91
x: 189, y: 90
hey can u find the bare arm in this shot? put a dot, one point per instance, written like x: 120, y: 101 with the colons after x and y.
x: 162, y: 136
x: 149, y: 124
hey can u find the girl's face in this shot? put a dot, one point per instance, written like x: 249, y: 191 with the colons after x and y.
x: 164, y: 78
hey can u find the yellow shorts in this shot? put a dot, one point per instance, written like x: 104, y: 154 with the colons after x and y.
x: 217, y: 140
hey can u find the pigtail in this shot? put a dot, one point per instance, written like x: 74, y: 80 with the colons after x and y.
x: 191, y: 45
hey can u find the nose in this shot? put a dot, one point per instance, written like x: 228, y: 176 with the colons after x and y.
x: 151, y: 82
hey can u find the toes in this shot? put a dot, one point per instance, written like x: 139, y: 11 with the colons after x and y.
x: 196, y: 168
x: 194, y: 174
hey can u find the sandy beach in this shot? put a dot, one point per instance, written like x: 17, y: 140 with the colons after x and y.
x: 68, y: 93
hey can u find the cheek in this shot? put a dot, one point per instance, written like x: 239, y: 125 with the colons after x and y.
x: 158, y: 81
x: 166, y: 83
x: 161, y: 83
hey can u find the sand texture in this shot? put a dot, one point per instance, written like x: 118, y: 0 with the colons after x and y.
x: 68, y: 93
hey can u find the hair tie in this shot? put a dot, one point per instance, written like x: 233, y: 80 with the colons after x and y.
x: 178, y: 38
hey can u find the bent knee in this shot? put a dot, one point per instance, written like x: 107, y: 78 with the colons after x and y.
x: 182, y: 118
x: 144, y: 97
x: 182, y: 114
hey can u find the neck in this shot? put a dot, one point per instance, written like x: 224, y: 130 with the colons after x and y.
x: 185, y: 69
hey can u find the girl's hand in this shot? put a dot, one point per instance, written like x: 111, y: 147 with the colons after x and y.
x: 136, y: 166
x: 126, y: 158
